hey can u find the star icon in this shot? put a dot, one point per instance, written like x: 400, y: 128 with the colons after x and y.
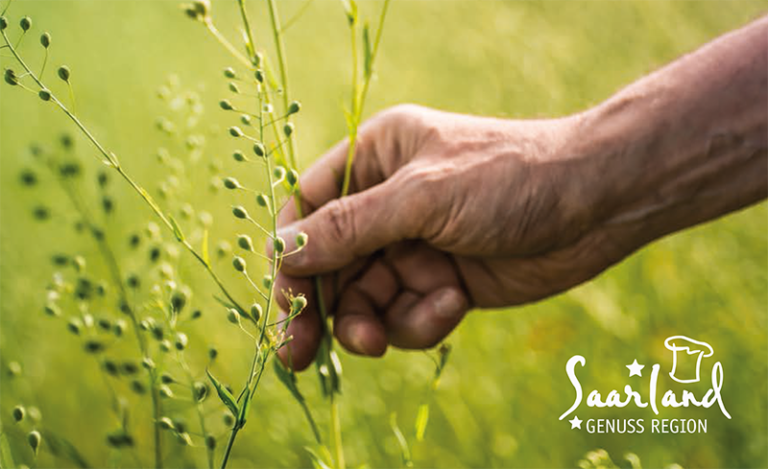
x: 634, y: 369
x: 575, y: 423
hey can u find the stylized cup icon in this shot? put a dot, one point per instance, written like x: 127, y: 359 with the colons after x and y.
x: 691, y: 348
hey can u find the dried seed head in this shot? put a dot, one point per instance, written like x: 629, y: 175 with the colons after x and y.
x: 229, y: 72
x: 233, y: 316
x: 239, y: 212
x: 226, y: 105
x: 33, y: 438
x: 245, y: 242
x: 64, y: 73
x: 181, y: 341
x: 231, y: 183
x: 267, y: 281
x: 18, y: 413
x: 292, y: 177
x: 239, y: 264
x: 44, y: 94
x: 288, y: 129
x: 45, y: 40
x: 298, y: 303
x: 25, y: 23
x: 166, y: 423
x: 294, y: 107
x: 239, y: 156
x: 301, y: 239
x: 10, y: 77
x: 259, y: 149
x: 262, y: 200
x: 256, y: 311
x: 279, y: 244
x: 259, y: 74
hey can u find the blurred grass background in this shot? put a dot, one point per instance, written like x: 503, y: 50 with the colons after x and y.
x: 505, y: 386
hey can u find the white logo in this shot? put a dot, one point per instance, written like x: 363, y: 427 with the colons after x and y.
x: 681, y: 347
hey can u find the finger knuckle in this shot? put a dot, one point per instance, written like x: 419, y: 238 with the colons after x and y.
x: 341, y: 224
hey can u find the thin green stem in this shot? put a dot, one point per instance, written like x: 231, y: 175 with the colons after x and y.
x: 228, y: 449
x: 227, y: 45
x: 248, y: 31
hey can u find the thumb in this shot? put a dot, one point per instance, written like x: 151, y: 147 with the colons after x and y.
x: 348, y: 228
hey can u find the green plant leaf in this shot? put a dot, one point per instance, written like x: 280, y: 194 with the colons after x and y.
x: 367, y: 51
x: 405, y: 452
x: 176, y: 229
x: 422, y: 418
x: 320, y: 457
x: 288, y: 378
x: 244, y: 409
x: 6, y: 457
x: 63, y: 448
x: 226, y: 397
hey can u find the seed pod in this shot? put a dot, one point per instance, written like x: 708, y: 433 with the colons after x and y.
x: 165, y: 391
x: 239, y: 156
x: 267, y: 281
x: 279, y: 245
x: 45, y: 40
x: 52, y: 309
x: 45, y: 95
x: 245, y: 242
x: 259, y: 149
x: 231, y: 183
x: 239, y: 264
x: 3, y: 23
x: 256, y: 311
x: 138, y: 387
x: 292, y: 177
x: 165, y: 345
x: 262, y: 200
x: 165, y: 423
x: 288, y: 129
x: 74, y: 325
x: 229, y: 72
x: 239, y: 212
x: 233, y: 88
x: 201, y: 390
x: 294, y: 107
x: 148, y: 363
x: 64, y: 73
x: 226, y: 105
x: 133, y: 281
x: 119, y: 328
x: 14, y: 369
x: 33, y: 438
x: 245, y: 119
x: 78, y: 262
x: 298, y: 304
x: 18, y: 413
x: 181, y: 341
x: 233, y: 316
x: 279, y: 173
x: 129, y: 368
x: 301, y: 239
x: 223, y: 248
x: 179, y: 299
x: 166, y: 378
x: 25, y: 23
x: 210, y: 442
x: 228, y: 418
x: 259, y: 74
x: 213, y: 353
x: 10, y: 77
x: 110, y: 367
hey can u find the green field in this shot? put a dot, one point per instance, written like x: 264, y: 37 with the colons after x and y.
x: 504, y: 388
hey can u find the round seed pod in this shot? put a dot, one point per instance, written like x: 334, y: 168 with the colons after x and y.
x: 45, y: 95
x: 294, y: 107
x: 165, y: 345
x: 201, y: 390
x: 267, y: 281
x: 165, y: 423
x: 262, y: 200
x: 233, y: 316
x: 239, y: 264
x: 298, y: 304
x: 179, y: 299
x: 233, y: 88
x: 213, y: 353
x: 119, y: 328
x: 52, y: 309
x: 245, y: 242
x: 74, y: 326
x: 133, y: 281
x: 33, y: 438
x: 3, y: 23
x: 165, y: 392
x: 259, y: 149
x: 226, y: 105
x: 245, y: 119
x: 19, y: 413
x: 259, y: 75
x: 210, y: 441
x: 229, y: 72
x: 166, y: 378
x: 148, y: 363
x: 45, y: 40
x: 138, y: 387
x: 129, y: 368
x: 64, y: 73
x: 231, y: 183
x: 181, y: 341
x: 104, y: 324
x: 256, y: 311
x: 292, y: 177
x: 25, y: 23
x: 223, y: 248
x: 301, y: 239
x: 279, y: 173
x: 111, y: 367
x: 279, y: 245
x: 10, y: 77
x: 228, y: 419
x: 197, y: 314
x: 288, y: 129
x: 239, y: 212
x: 239, y: 156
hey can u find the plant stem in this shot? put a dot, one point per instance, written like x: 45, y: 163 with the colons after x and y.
x: 338, y: 448
x: 231, y: 442
x: 227, y: 45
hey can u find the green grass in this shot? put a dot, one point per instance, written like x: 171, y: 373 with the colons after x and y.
x: 505, y: 385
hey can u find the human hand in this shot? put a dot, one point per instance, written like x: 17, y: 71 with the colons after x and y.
x: 446, y: 212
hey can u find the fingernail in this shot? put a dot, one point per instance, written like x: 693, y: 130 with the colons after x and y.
x: 448, y: 304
